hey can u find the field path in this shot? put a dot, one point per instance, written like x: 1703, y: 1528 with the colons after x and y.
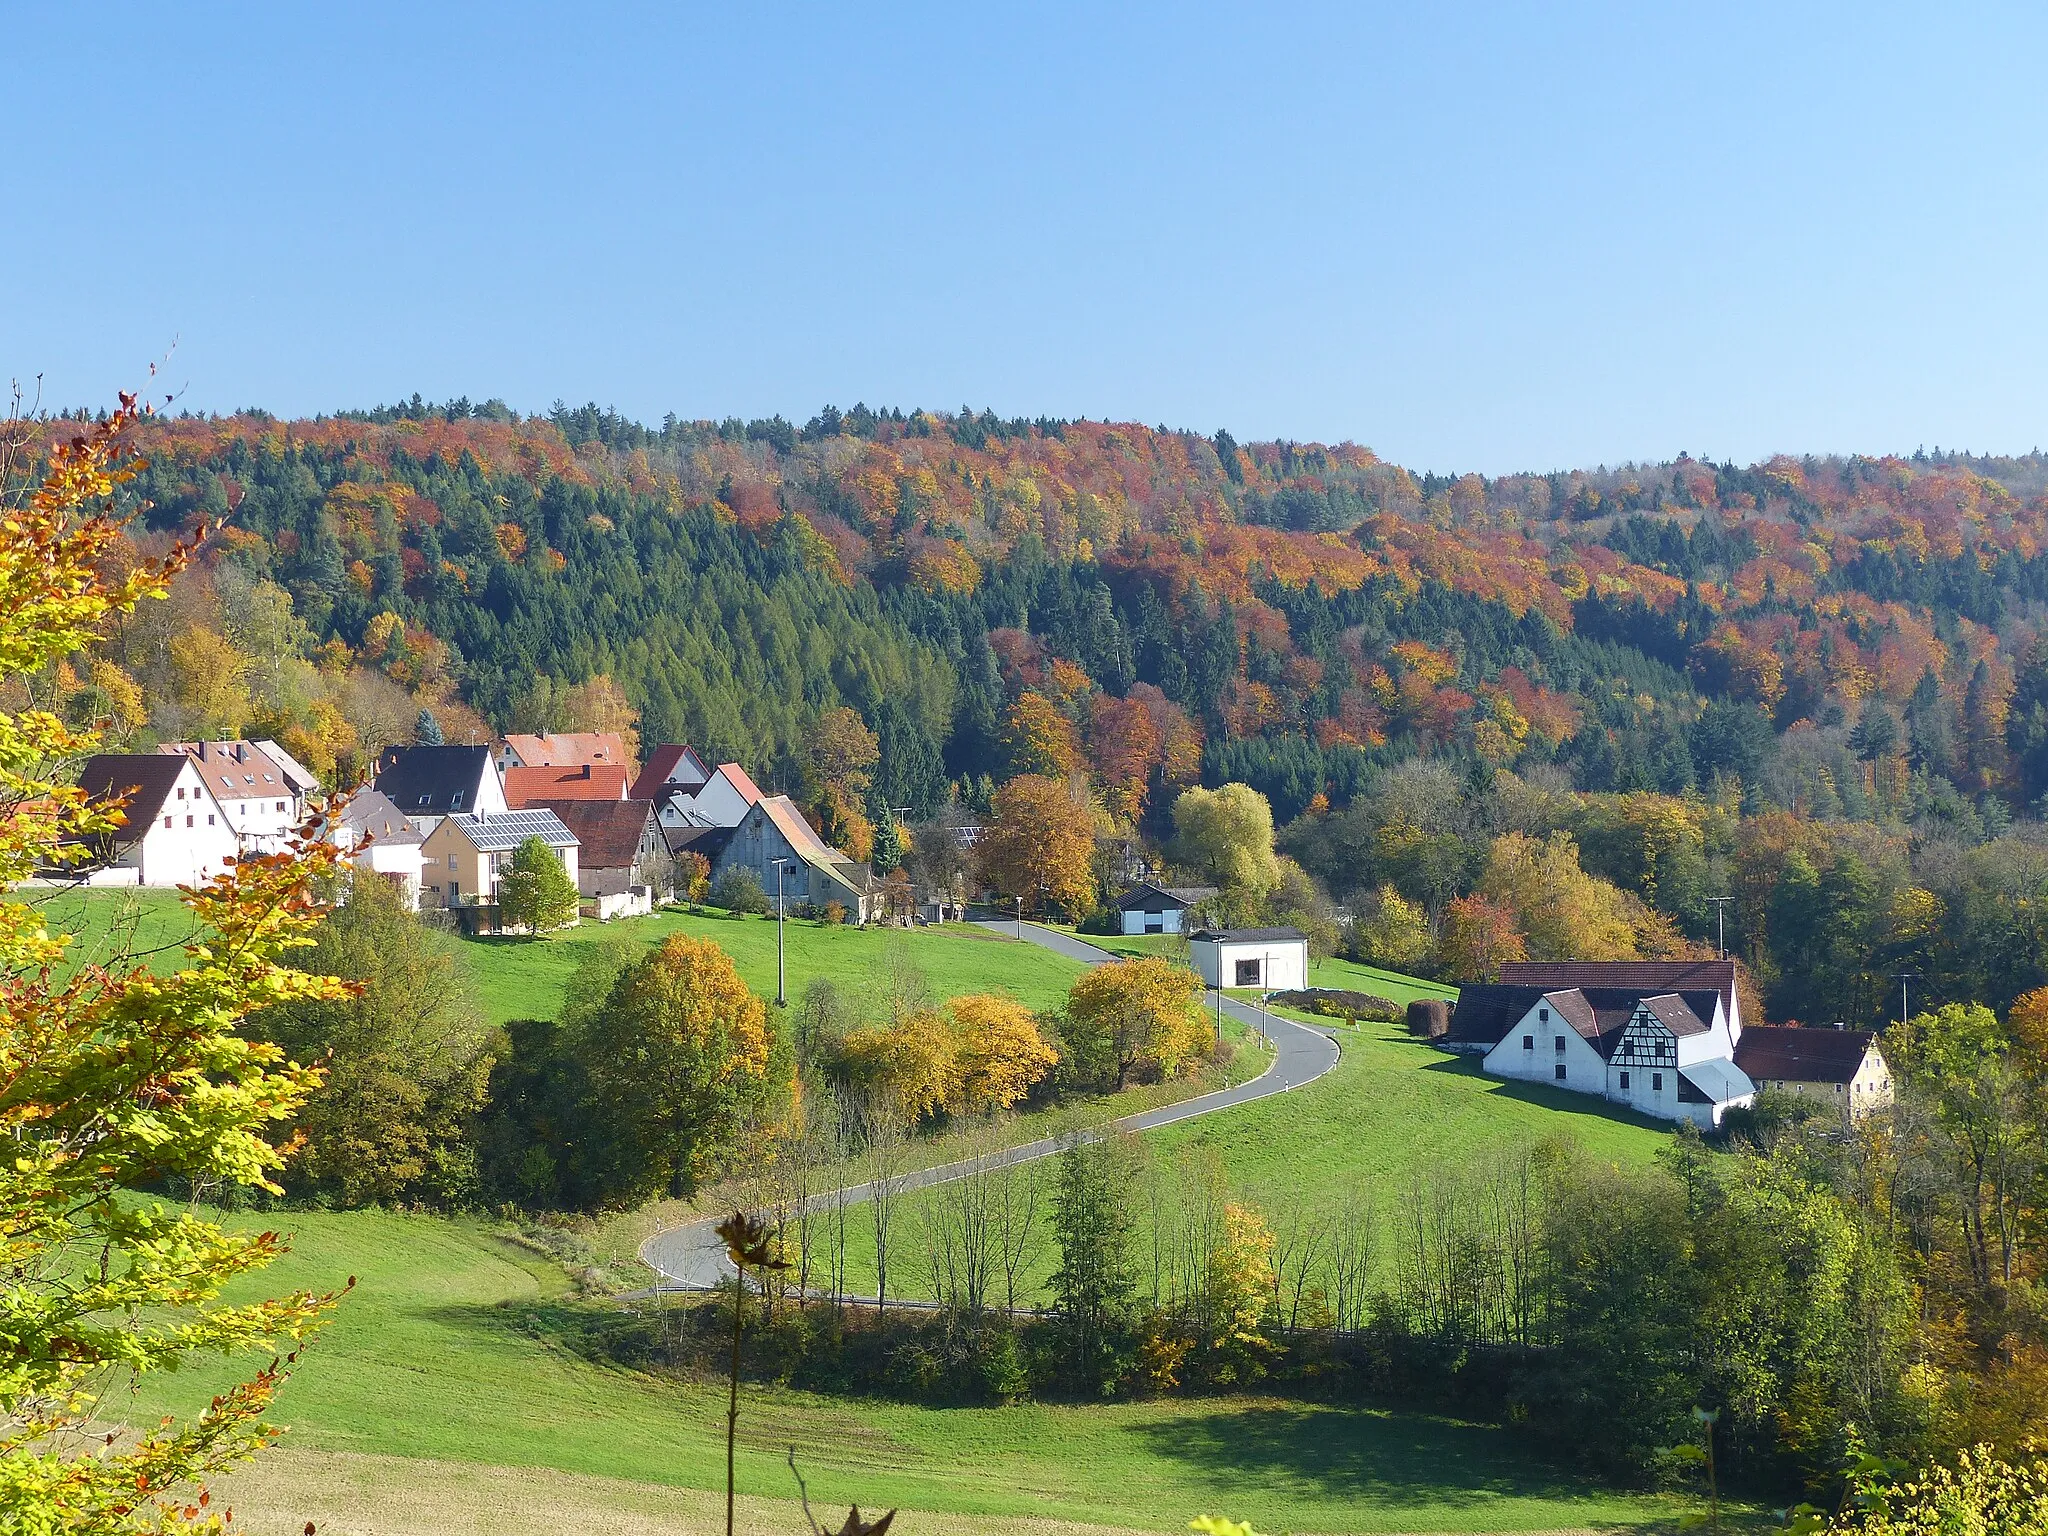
x: 691, y: 1257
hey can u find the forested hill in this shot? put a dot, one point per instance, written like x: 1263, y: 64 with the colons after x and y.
x: 1841, y: 640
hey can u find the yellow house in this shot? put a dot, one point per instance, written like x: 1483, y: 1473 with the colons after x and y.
x: 463, y: 856
x: 1838, y: 1067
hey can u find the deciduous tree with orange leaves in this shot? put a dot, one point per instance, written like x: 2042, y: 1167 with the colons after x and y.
x: 1001, y: 1054
x: 1038, y: 843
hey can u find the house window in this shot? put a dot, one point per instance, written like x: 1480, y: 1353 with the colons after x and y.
x: 209, y: 818
x: 1656, y: 1082
x: 1543, y: 1015
x: 1560, y: 1045
x: 1624, y: 1082
x: 1247, y: 973
x: 280, y: 805
x: 451, y: 861
x: 181, y: 794
x: 167, y: 821
x: 188, y: 821
x: 1528, y: 1042
x: 1560, y: 1072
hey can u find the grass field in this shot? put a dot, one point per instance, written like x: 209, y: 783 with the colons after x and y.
x: 437, y: 1374
x: 1393, y: 1110
x: 525, y: 978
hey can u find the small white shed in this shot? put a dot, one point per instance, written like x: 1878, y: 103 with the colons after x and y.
x: 1273, y: 959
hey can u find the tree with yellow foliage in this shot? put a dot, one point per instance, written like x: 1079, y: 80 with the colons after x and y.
x: 1134, y: 1017
x: 1237, y: 1298
x: 116, y: 1081
x: 1041, y: 740
x: 1001, y: 1056
x: 1563, y: 912
x: 911, y: 1065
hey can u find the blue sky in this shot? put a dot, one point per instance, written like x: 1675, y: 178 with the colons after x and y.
x: 1493, y: 238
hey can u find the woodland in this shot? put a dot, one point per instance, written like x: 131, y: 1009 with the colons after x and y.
x: 1438, y: 723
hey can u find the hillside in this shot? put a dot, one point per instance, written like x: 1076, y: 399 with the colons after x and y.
x: 1813, y: 685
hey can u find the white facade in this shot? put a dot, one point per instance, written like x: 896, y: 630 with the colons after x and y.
x: 1273, y: 961
x: 256, y: 793
x: 187, y: 840
x: 1165, y: 920
x: 723, y: 801
x: 374, y: 835
x: 1643, y: 1072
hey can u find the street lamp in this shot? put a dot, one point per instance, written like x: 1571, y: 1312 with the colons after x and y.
x: 1721, y: 917
x: 781, y: 974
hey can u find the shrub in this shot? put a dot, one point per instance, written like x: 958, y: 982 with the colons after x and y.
x: 738, y: 889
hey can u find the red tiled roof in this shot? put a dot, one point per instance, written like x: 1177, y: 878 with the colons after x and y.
x: 571, y: 749
x: 592, y: 781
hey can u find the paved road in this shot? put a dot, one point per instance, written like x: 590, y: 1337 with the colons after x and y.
x: 692, y: 1258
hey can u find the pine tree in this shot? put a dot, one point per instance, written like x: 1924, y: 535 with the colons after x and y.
x: 426, y: 730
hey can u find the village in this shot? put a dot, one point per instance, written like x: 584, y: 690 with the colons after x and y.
x: 444, y: 825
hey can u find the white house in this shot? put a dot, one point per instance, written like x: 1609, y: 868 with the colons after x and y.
x: 176, y: 832
x: 1275, y: 959
x: 373, y: 834
x: 1149, y: 907
x: 258, y: 784
x: 1659, y: 1037
x: 670, y: 780
x: 723, y: 800
x: 428, y: 783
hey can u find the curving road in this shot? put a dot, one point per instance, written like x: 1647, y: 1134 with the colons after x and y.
x: 691, y: 1257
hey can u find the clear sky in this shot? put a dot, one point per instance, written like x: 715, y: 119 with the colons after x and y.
x: 1493, y: 238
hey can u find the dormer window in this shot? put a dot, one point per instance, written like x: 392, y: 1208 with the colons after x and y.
x: 455, y: 801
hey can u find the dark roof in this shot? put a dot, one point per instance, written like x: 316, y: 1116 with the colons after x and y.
x: 609, y: 830
x: 1488, y: 1010
x: 1801, y: 1055
x: 1147, y: 891
x: 502, y: 831
x: 1250, y: 935
x: 709, y: 841
x: 1645, y: 978
x: 423, y: 781
x: 149, y: 775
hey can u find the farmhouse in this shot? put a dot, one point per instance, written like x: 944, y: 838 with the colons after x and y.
x: 1659, y: 1037
x: 587, y: 781
x: 619, y: 853
x: 1840, y: 1068
x: 375, y: 835
x: 175, y: 833
x: 566, y: 749
x: 464, y: 854
x: 1148, y: 907
x: 1273, y: 958
x: 812, y: 872
x: 428, y: 783
x: 260, y: 786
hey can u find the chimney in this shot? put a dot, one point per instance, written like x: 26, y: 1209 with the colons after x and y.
x: 202, y: 751
x: 1840, y: 1025
x: 241, y: 752
x: 586, y: 770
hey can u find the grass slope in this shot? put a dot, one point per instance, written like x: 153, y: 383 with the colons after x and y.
x: 441, y: 1354
x: 526, y: 978
x: 1393, y: 1111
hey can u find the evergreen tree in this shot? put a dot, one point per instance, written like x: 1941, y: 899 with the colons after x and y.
x: 426, y: 730
x: 1094, y: 1286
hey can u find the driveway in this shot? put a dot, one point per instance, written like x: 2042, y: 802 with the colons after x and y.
x: 691, y: 1257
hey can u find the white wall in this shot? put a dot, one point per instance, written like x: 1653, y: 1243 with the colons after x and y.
x: 1537, y: 1062
x: 717, y: 804
x: 179, y: 854
x: 1136, y: 923
x: 1283, y: 964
